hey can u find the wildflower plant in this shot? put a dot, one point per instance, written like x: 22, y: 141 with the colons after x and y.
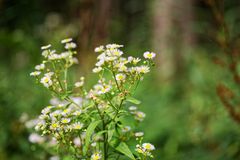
x: 91, y: 123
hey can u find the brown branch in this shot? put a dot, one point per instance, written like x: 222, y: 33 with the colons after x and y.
x: 225, y: 95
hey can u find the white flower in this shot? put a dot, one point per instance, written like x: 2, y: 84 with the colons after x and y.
x: 77, y: 113
x: 54, y: 56
x: 111, y: 58
x: 103, y: 89
x: 49, y: 74
x: 122, y: 67
x: 79, y: 84
x: 148, y: 146
x: 35, y: 138
x: 126, y: 129
x: 46, y: 47
x: 54, y: 126
x: 94, y: 144
x: 65, y: 120
x: 117, y: 52
x: 139, y: 134
x: 99, y: 49
x: 132, y: 108
x: 100, y: 63
x: 77, y: 141
x: 46, y: 81
x: 140, y: 115
x: 97, y: 69
x: 74, y: 60
x: 46, y: 110
x: 149, y: 55
x: 54, y: 114
x: 67, y: 40
x: 101, y: 56
x: 45, y: 53
x: 35, y: 73
x: 70, y: 45
x: 136, y: 60
x: 40, y: 66
x: 113, y: 46
x: 65, y: 55
x: 120, y: 77
x: 96, y: 156
x: 143, y: 69
x: 77, y: 126
x: 54, y: 158
x: 130, y: 59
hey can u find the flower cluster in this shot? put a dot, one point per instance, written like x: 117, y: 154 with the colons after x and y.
x: 138, y: 115
x: 61, y: 118
x: 48, y: 72
x: 145, y: 149
x: 88, y: 122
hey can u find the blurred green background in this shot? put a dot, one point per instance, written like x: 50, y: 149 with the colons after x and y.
x: 185, y: 118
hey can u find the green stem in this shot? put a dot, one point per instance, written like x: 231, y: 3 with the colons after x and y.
x: 105, y: 136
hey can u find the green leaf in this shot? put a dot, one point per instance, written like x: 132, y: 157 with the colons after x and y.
x: 133, y: 100
x: 110, y: 134
x: 89, y: 133
x: 123, y: 148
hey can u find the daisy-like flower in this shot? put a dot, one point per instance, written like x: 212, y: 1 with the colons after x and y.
x: 132, y: 108
x: 149, y: 55
x: 55, y: 114
x: 54, y: 158
x: 46, y: 110
x: 100, y: 63
x: 110, y: 59
x: 73, y: 60
x: 122, y: 67
x: 79, y: 84
x: 94, y: 144
x: 36, y: 138
x: 139, y: 134
x: 143, y: 69
x: 54, y: 56
x: 35, y: 73
x: 77, y: 141
x: 66, y: 111
x: 117, y: 52
x: 65, y: 55
x: 130, y: 59
x: 70, y: 45
x: 148, y: 146
x: 104, y: 89
x: 65, y: 120
x: 77, y: 126
x: 46, y: 47
x: 77, y: 113
x: 45, y: 53
x: 46, y: 81
x: 126, y: 129
x: 67, y: 40
x: 97, y: 69
x: 49, y: 74
x: 113, y: 46
x: 40, y: 66
x: 140, y: 115
x: 136, y: 60
x: 99, y: 49
x: 96, y: 156
x: 54, y: 126
x: 120, y: 77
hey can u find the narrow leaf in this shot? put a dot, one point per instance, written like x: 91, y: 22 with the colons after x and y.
x: 89, y: 133
x: 133, y: 100
x: 123, y: 148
